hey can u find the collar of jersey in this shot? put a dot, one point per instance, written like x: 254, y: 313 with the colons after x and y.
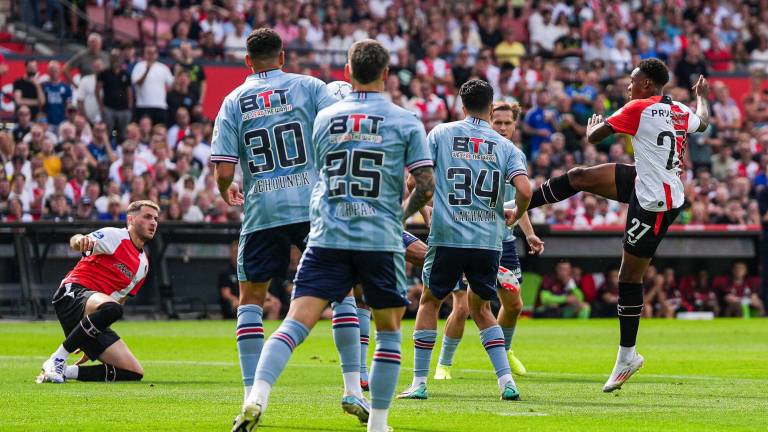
x: 265, y: 74
x: 476, y: 121
x: 365, y: 95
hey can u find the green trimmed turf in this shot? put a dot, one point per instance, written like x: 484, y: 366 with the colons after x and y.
x: 698, y: 376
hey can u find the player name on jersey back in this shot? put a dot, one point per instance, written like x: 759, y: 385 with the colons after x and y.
x: 266, y: 125
x: 363, y: 144
x: 473, y: 165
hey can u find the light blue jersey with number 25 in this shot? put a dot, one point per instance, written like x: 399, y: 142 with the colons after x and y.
x: 266, y: 125
x: 363, y: 144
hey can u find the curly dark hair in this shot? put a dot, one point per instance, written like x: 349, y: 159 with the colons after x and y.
x: 264, y: 44
x: 655, y: 70
x: 476, y: 95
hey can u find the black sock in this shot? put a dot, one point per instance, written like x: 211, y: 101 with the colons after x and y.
x: 553, y: 190
x: 107, y: 373
x: 93, y: 324
x: 629, y: 310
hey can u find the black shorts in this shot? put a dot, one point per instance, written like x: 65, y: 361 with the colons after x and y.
x: 69, y: 302
x: 443, y: 267
x: 266, y: 254
x: 645, y: 229
x: 625, y: 182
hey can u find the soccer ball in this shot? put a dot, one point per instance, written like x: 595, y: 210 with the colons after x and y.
x: 339, y: 89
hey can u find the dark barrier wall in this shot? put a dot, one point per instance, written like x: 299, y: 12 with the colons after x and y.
x: 185, y: 259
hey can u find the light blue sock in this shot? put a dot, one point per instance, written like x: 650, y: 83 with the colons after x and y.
x: 385, y: 368
x: 509, y: 333
x: 364, y: 317
x: 250, y: 340
x: 448, y: 350
x: 278, y: 349
x: 346, y: 334
x: 493, y: 341
x: 423, y: 342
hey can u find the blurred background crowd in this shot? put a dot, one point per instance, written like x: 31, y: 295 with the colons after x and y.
x: 122, y: 121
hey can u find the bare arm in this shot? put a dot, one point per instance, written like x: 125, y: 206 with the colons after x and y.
x: 597, y: 129
x: 143, y: 78
x: 701, y: 88
x: 522, y: 197
x: 422, y: 193
x: 230, y: 192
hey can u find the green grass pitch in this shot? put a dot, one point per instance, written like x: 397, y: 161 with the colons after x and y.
x: 698, y: 376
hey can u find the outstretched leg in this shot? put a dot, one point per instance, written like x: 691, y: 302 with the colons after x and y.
x: 599, y: 180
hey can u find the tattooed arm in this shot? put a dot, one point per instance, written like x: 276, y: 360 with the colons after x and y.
x: 422, y: 193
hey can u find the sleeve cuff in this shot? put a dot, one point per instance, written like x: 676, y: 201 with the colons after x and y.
x: 514, y: 174
x: 224, y: 158
x: 420, y: 164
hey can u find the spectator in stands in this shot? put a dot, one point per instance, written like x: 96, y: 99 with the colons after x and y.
x: 85, y: 210
x: 739, y: 293
x: 152, y: 81
x: 197, y: 80
x: 27, y: 90
x: 727, y: 115
x: 607, y: 296
x: 23, y: 123
x: 115, y: 97
x: 182, y: 37
x: 181, y: 96
x: 540, y: 122
x: 560, y: 297
x: 58, y: 96
x: 690, y: 67
x: 434, y: 71
x: 7, y: 145
x: 5, y: 194
x: 180, y: 129
x: 83, y: 60
x: 15, y: 211
x: 114, y: 210
x: 756, y: 100
x: 429, y: 107
x: 59, y: 209
x: 392, y: 41
x: 129, y: 160
x: 235, y: 41
x: 87, y: 99
x: 101, y: 147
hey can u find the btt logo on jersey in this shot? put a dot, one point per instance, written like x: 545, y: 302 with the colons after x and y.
x: 266, y: 103
x: 470, y: 148
x: 355, y: 127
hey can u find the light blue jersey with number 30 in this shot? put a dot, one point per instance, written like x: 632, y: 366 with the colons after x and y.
x: 266, y: 125
x: 363, y: 144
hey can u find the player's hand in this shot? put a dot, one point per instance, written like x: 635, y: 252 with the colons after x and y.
x: 82, y: 359
x: 594, y: 121
x: 701, y: 88
x: 234, y: 197
x: 85, y: 244
x: 536, y: 245
x: 511, y: 216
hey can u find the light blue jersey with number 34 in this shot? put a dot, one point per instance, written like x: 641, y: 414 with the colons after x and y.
x: 363, y: 144
x: 266, y: 125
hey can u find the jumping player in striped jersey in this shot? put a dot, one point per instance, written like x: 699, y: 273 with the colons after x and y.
x: 473, y: 165
x: 652, y: 187
x: 363, y: 144
x: 266, y: 125
x: 91, y: 297
x: 504, y: 117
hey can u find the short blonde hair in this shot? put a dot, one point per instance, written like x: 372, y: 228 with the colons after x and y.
x: 507, y: 106
x: 136, y: 206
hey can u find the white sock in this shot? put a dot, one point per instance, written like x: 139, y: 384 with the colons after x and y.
x: 260, y: 394
x: 247, y: 392
x: 418, y: 380
x: 503, y: 380
x: 352, y: 384
x: 378, y: 420
x: 61, y: 353
x: 70, y: 372
x: 626, y: 353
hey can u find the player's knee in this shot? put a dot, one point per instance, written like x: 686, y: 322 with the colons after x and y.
x: 516, y: 308
x: 112, y: 310
x: 578, y: 177
x: 460, y: 310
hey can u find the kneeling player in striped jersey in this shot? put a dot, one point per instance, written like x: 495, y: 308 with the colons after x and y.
x: 504, y: 117
x: 91, y: 297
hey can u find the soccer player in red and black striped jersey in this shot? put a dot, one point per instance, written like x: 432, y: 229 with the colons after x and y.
x: 652, y: 187
x: 91, y: 297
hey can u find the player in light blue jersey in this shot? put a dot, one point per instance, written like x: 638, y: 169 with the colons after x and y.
x: 504, y: 117
x: 266, y: 125
x: 363, y: 144
x: 473, y: 163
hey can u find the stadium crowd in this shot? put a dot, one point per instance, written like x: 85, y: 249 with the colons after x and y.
x: 117, y: 124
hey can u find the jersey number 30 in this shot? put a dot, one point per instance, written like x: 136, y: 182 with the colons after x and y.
x: 258, y: 140
x: 365, y: 181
